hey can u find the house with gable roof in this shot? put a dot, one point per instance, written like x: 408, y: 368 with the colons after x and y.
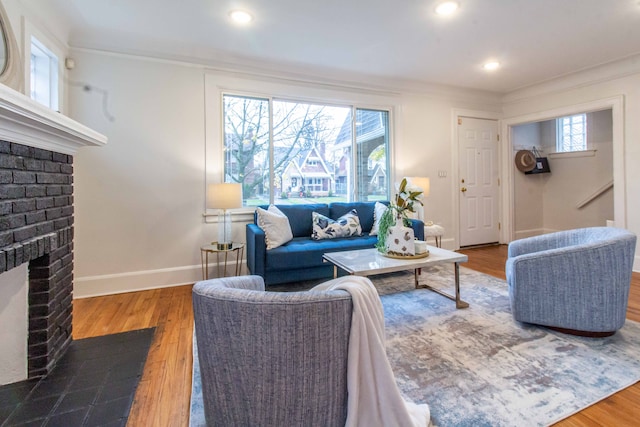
x: 308, y: 173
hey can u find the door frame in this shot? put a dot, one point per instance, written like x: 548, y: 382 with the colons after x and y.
x: 455, y: 164
x: 616, y: 105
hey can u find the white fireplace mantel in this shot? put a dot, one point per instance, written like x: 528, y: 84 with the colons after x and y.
x: 25, y: 121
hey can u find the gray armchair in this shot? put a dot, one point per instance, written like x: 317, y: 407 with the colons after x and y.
x: 271, y: 358
x: 576, y: 281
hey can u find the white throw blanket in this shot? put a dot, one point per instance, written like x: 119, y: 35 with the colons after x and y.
x: 374, y: 398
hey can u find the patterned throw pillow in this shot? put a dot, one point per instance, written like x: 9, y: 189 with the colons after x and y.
x: 276, y: 227
x: 327, y: 228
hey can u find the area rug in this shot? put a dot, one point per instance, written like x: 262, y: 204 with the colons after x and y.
x: 477, y: 366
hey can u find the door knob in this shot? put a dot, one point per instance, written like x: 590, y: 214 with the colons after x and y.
x: 463, y: 189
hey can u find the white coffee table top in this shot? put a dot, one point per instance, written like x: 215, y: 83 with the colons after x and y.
x: 366, y: 262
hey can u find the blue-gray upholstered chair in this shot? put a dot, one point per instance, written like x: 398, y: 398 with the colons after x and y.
x: 575, y: 281
x: 271, y: 358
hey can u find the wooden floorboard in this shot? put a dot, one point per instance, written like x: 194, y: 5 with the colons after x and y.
x: 162, y: 398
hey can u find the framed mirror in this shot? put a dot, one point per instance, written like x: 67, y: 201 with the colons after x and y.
x: 10, y: 59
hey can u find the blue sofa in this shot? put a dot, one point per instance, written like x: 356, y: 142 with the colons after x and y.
x: 301, y: 258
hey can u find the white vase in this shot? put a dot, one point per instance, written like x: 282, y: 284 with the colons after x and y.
x: 400, y: 240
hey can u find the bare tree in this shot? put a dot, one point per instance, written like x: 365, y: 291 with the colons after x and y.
x: 296, y: 127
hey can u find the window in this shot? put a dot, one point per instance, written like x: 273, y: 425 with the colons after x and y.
x: 572, y: 133
x: 44, y: 74
x: 290, y: 152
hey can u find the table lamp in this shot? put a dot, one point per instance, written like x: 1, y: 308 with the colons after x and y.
x: 223, y: 197
x: 423, y: 183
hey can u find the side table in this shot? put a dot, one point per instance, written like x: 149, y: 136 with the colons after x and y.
x: 205, y: 250
x: 435, y: 231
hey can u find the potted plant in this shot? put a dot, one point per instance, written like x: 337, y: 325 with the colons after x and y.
x: 395, y: 236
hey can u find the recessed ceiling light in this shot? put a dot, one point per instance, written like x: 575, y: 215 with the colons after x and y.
x: 491, y: 65
x: 447, y: 8
x: 240, y: 16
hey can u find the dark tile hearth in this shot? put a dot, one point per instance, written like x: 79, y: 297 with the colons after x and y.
x: 93, y: 384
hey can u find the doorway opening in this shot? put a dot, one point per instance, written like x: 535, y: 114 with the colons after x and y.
x: 518, y: 221
x: 578, y: 191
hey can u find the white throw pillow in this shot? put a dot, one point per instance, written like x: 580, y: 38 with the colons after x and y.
x: 378, y: 211
x: 327, y: 228
x: 275, y: 225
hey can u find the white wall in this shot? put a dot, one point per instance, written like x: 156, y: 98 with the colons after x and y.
x: 573, y: 179
x: 140, y: 200
x: 589, y: 87
x: 528, y: 189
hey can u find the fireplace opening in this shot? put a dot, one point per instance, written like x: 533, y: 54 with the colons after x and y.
x: 14, y: 320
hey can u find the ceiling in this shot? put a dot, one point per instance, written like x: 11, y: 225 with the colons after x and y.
x: 381, y: 41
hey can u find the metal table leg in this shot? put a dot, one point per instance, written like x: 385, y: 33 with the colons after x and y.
x: 204, y: 260
x: 459, y: 302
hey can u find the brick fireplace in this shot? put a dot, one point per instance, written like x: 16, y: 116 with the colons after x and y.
x: 36, y: 217
x: 36, y: 227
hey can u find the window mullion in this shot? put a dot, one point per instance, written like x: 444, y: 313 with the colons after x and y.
x: 271, y: 155
x: 354, y: 156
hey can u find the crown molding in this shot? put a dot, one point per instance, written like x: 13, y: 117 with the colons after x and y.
x: 587, y: 77
x: 296, y: 73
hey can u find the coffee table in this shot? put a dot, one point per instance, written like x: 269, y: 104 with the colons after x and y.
x: 367, y: 262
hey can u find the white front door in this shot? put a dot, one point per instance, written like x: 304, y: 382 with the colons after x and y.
x: 478, y: 185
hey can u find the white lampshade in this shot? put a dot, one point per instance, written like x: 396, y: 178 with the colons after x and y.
x: 422, y: 182
x: 224, y: 196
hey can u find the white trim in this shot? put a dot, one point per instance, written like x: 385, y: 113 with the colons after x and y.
x: 313, y: 76
x: 455, y: 167
x: 24, y: 121
x: 616, y: 105
x: 134, y: 281
x: 576, y: 80
x: 569, y: 154
x: 521, y: 234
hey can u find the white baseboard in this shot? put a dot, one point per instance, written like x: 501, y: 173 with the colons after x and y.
x: 448, y: 244
x: 109, y: 284
x: 522, y: 234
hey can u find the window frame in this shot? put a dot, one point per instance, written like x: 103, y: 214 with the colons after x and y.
x: 46, y: 59
x: 57, y: 49
x: 217, y: 82
x: 355, y: 106
x: 560, y: 133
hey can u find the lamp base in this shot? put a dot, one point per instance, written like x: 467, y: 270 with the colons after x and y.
x: 224, y: 246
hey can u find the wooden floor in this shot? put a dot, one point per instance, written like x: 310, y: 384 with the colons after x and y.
x: 163, y: 396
